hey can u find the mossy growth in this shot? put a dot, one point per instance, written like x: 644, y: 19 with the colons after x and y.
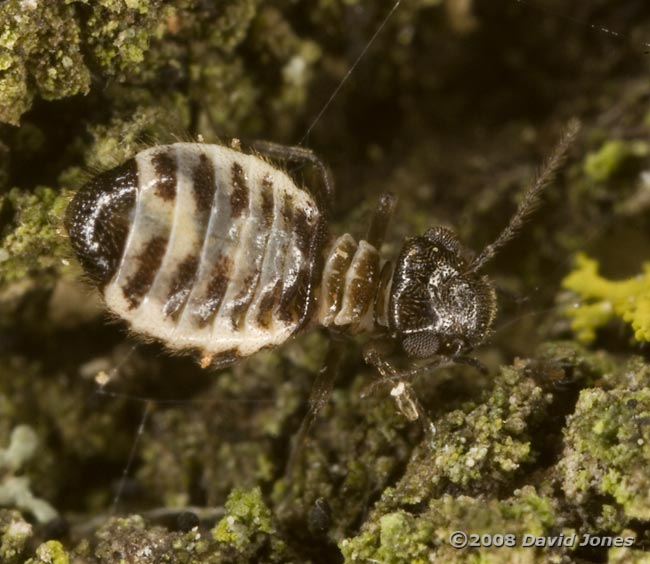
x: 37, y: 242
x: 123, y: 136
x: 50, y: 49
x: 401, y: 537
x: 15, y: 533
x: 483, y: 443
x: 604, y: 299
x: 40, y: 54
x: 607, y: 449
x: 247, y: 529
x: 491, y: 438
x: 604, y: 458
x: 626, y: 555
x: 50, y: 552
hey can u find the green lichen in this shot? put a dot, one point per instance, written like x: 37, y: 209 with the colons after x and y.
x: 41, y: 51
x: 602, y: 164
x: 605, y: 433
x: 232, y: 24
x: 605, y: 299
x: 15, y: 95
x: 607, y: 449
x: 248, y: 531
x: 475, y: 449
x: 123, y: 136
x: 626, y: 555
x: 490, y: 439
x: 51, y: 552
x: 246, y: 517
x: 121, y: 31
x: 129, y: 539
x: 485, y: 442
x: 49, y: 48
x: 15, y: 533
x: 34, y: 240
x: 401, y: 537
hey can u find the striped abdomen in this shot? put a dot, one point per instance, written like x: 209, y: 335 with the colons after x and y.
x: 207, y: 248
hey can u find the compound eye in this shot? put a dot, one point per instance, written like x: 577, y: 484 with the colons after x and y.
x: 422, y: 344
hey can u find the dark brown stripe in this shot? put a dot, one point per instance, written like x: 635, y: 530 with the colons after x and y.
x: 149, y: 262
x: 219, y: 277
x: 243, y: 299
x: 267, y: 201
x: 295, y: 296
x: 268, y: 303
x: 292, y: 300
x: 203, y: 184
x: 302, y: 231
x: 288, y: 210
x: 239, y: 197
x: 288, y: 290
x: 181, y: 286
x: 335, y: 282
x: 364, y: 285
x: 164, y: 164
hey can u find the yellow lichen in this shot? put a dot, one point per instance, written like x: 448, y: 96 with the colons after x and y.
x: 602, y: 299
x: 604, y: 163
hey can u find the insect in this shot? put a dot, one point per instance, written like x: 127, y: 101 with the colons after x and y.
x: 212, y: 250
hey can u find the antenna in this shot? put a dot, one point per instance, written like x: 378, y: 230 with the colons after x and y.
x: 531, y: 198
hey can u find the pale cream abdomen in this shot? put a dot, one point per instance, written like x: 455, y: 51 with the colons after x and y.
x: 220, y: 254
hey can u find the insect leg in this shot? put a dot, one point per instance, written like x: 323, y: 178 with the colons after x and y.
x: 380, y: 219
x: 318, y: 398
x: 402, y: 391
x: 470, y: 361
x: 300, y: 155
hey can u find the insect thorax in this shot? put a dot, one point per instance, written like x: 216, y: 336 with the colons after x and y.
x: 437, y: 304
x: 355, y: 287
